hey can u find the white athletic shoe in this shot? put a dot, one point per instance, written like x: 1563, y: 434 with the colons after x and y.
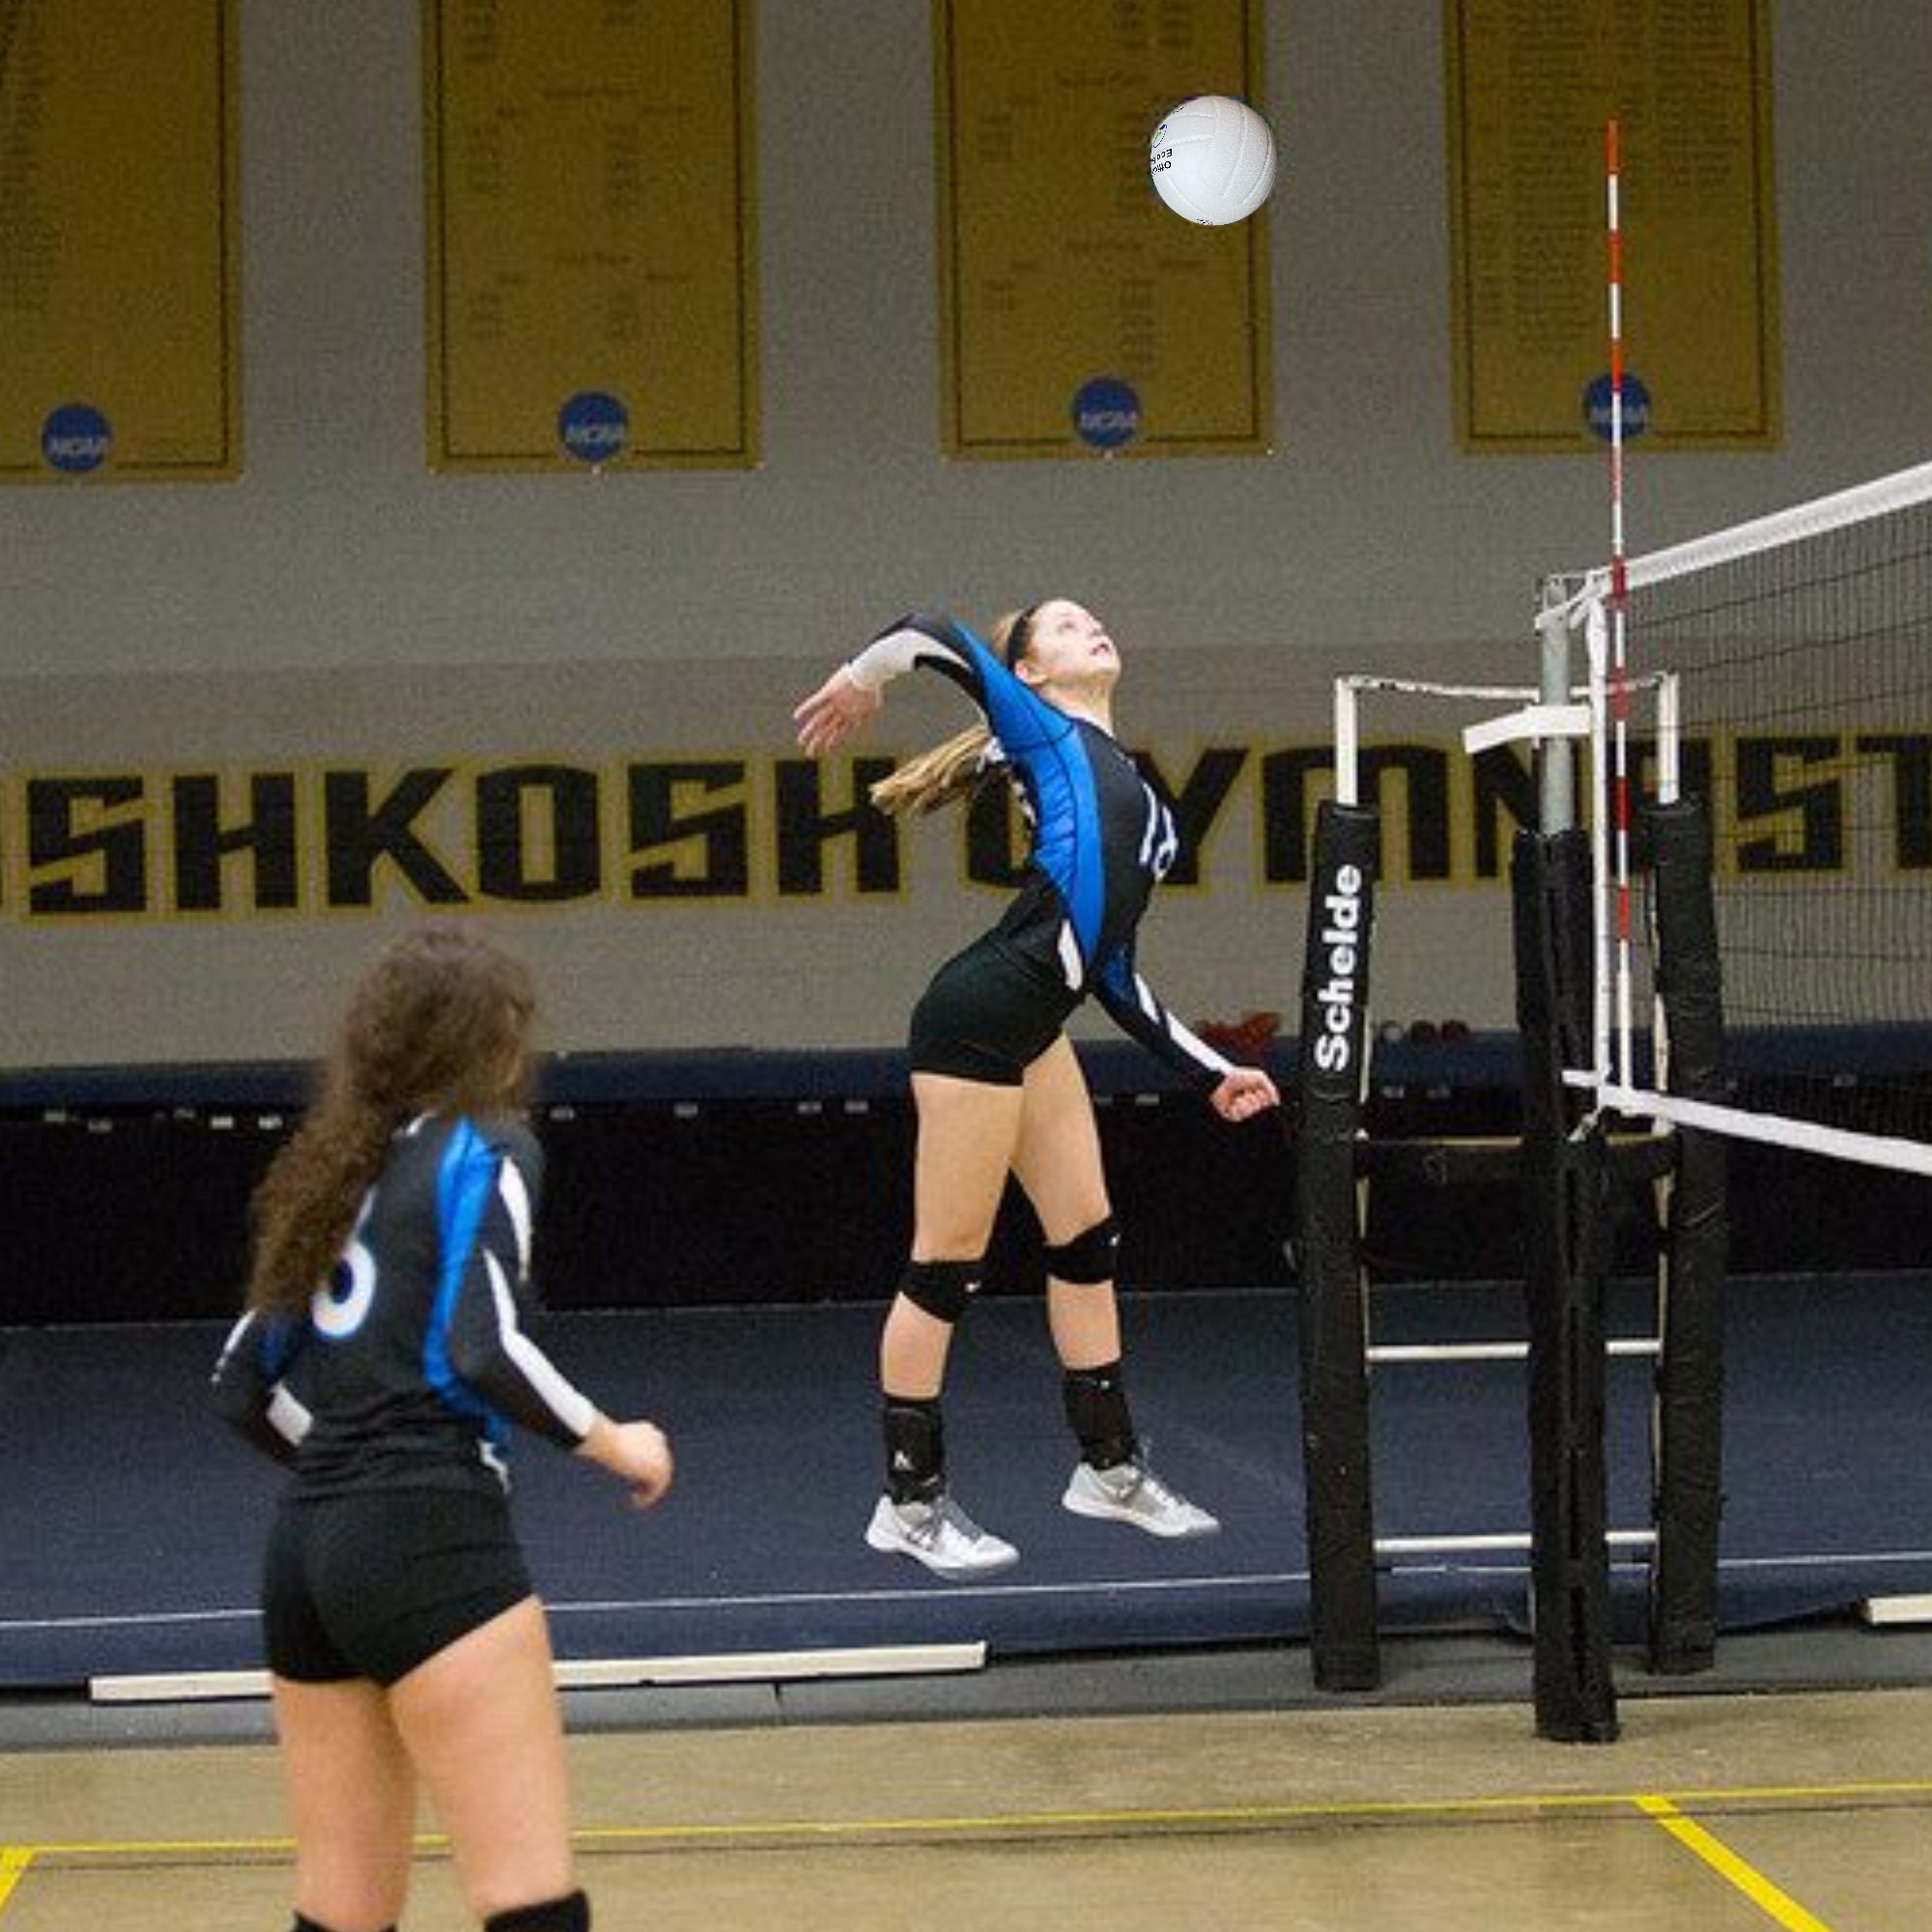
x: 1131, y: 1492
x: 941, y: 1535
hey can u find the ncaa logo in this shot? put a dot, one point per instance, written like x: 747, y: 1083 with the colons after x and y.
x: 76, y: 438
x: 593, y: 427
x: 1596, y: 406
x: 1106, y: 412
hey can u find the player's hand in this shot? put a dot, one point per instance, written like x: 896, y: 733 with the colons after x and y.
x: 1243, y: 1092
x: 637, y: 1453
x: 833, y: 712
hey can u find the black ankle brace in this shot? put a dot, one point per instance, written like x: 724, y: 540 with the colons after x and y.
x: 1098, y: 1411
x: 915, y: 1449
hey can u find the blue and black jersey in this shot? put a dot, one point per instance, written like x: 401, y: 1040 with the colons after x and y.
x: 1102, y: 836
x: 410, y: 1365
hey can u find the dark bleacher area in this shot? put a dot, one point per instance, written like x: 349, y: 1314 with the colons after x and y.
x: 743, y: 1178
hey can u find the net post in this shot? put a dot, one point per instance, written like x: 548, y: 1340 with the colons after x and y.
x: 1567, y: 1187
x: 1555, y: 760
x: 1690, y: 1388
x: 1331, y: 1066
x: 1348, y: 743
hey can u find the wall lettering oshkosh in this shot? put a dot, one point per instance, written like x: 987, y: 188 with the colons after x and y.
x: 81, y: 844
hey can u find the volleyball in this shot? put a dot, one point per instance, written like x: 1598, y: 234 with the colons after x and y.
x: 1212, y: 159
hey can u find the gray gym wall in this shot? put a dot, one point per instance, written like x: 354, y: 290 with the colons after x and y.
x: 338, y: 605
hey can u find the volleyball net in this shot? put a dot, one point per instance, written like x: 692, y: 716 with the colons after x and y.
x: 1795, y: 655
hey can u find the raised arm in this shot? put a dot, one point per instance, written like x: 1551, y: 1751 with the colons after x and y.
x: 920, y: 639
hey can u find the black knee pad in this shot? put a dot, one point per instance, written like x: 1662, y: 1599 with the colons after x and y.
x: 1088, y: 1258
x: 942, y: 1289
x: 571, y: 1914
x: 304, y: 1923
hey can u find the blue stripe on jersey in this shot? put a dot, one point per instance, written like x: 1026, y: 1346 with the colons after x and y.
x: 1066, y: 839
x: 1044, y: 746
x: 278, y: 1341
x: 1017, y: 716
x: 464, y: 1179
x: 1118, y: 977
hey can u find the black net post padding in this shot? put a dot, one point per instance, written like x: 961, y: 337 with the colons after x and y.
x: 1687, y: 1457
x: 1333, y: 1324
x: 1567, y: 1213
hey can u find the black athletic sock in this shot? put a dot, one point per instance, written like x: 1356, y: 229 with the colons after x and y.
x: 569, y: 1913
x: 915, y: 1448
x: 1097, y: 1409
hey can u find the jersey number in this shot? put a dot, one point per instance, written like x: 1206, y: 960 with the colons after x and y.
x: 341, y: 1304
x: 1159, y: 842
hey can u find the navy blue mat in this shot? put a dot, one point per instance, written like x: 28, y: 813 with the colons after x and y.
x: 130, y: 1521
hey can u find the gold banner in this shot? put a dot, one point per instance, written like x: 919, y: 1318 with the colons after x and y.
x: 1078, y: 314
x: 1530, y: 93
x: 593, y: 233
x: 118, y: 230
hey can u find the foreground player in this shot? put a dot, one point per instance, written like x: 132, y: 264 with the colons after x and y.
x: 995, y: 1081
x: 401, y: 1630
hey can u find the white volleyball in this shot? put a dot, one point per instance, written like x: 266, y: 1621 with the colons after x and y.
x: 1212, y: 159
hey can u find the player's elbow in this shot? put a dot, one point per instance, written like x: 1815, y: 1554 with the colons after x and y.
x: 478, y: 1359
x: 237, y: 1401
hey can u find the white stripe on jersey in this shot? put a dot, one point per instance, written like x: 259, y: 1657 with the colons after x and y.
x: 516, y: 1198
x: 574, y: 1410
x: 1072, y: 968
x: 1190, y: 1042
x: 234, y: 1334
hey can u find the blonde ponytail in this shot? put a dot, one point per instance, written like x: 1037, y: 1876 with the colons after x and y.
x: 953, y: 770
x: 936, y: 778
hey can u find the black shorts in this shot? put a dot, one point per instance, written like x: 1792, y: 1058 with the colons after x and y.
x: 988, y: 1014
x: 371, y: 1584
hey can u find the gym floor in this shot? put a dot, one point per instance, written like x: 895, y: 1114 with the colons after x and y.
x: 931, y: 1807
x: 1110, y: 1766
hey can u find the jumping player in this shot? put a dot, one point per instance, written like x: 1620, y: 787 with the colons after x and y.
x: 996, y: 1086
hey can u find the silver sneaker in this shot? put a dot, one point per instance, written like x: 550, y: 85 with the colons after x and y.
x: 941, y: 1535
x: 1131, y: 1492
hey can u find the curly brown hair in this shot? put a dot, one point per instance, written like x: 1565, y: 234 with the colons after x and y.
x: 439, y: 1023
x: 955, y: 768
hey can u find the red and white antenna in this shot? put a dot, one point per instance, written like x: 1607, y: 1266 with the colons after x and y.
x: 1620, y: 788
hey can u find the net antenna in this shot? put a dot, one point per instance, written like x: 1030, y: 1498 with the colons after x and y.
x: 1795, y: 719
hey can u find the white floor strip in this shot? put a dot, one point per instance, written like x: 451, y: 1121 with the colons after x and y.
x: 1895, y: 1610
x: 599, y: 1673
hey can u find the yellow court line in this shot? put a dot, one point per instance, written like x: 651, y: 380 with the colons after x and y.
x: 1313, y: 1812
x: 13, y: 1863
x: 1779, y: 1905
x: 1206, y: 1816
